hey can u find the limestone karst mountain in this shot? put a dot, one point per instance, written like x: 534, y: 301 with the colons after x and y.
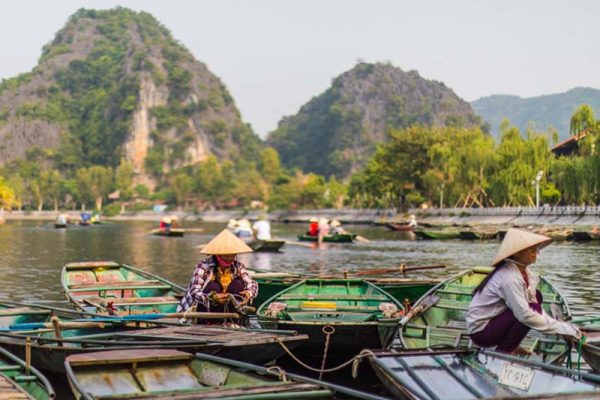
x: 114, y: 84
x: 336, y: 132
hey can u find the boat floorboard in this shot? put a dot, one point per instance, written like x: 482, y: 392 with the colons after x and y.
x: 10, y: 390
x: 214, y: 334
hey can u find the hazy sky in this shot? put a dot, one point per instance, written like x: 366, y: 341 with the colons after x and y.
x: 274, y: 55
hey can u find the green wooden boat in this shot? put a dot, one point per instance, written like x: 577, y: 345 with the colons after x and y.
x: 339, y: 238
x: 168, y: 374
x: 105, y: 287
x: 266, y: 245
x: 349, y: 309
x: 590, y: 351
x: 478, y: 235
x: 444, y: 323
x: 173, y: 232
x: 21, y: 382
x: 445, y: 234
x: 50, y: 344
x: 584, y: 236
x: 471, y: 374
x: 402, y: 289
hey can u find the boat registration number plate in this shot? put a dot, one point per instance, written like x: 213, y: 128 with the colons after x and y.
x: 517, y: 377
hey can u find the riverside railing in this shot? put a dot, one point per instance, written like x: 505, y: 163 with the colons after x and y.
x: 523, y: 211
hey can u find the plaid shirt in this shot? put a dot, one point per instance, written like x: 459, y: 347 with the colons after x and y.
x: 204, y: 273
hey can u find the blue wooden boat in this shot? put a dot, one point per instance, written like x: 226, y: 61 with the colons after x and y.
x: 472, y: 374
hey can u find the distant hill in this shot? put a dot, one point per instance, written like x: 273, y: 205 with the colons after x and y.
x: 115, y: 84
x: 336, y: 132
x: 552, y: 110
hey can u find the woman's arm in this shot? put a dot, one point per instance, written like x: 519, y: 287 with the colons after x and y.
x: 250, y: 286
x: 513, y: 290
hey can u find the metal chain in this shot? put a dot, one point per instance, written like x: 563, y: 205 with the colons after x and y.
x: 328, y: 330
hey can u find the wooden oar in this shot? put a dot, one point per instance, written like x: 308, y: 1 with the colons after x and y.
x: 362, y: 239
x: 143, y: 317
x: 299, y: 244
x: 193, y: 230
x: 402, y: 268
x: 49, y: 325
x: 420, y: 308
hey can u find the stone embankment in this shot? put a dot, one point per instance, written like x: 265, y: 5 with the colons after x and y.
x: 517, y: 216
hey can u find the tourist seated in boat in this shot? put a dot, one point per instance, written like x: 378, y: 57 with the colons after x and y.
x: 165, y: 223
x: 243, y: 229
x: 174, y: 221
x: 335, y: 228
x: 412, y: 221
x: 323, y: 228
x: 62, y: 219
x: 262, y: 228
x: 218, y: 276
x: 313, y: 227
x: 85, y: 217
x: 506, y: 304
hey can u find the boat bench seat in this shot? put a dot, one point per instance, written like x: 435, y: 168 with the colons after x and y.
x: 131, y: 301
x: 21, y: 310
x: 453, y: 305
x: 331, y: 297
x: 128, y: 285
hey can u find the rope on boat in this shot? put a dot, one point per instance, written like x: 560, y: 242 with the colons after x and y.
x: 355, y: 361
x: 328, y: 330
x: 280, y: 373
x: 579, y: 348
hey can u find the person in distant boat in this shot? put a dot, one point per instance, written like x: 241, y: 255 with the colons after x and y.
x: 243, y: 229
x: 335, y: 228
x: 262, y: 228
x: 165, y: 223
x: 313, y: 227
x: 323, y: 228
x: 174, y: 221
x: 218, y: 276
x: 412, y: 221
x: 85, y: 218
x: 62, y: 219
x: 506, y: 304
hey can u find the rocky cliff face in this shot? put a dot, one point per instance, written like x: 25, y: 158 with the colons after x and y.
x: 337, y: 131
x: 115, y: 84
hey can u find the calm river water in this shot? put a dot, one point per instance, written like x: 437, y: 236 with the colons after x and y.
x: 32, y: 254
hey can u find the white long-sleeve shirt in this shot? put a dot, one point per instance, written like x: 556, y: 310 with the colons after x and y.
x: 507, y: 289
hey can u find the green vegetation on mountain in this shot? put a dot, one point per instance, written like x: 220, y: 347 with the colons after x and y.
x: 544, y: 112
x: 336, y: 132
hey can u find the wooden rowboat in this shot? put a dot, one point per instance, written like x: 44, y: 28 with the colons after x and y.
x: 349, y: 309
x: 469, y: 374
x: 266, y: 245
x: 60, y: 226
x: 444, y: 323
x: 400, y: 227
x: 339, y: 238
x: 173, y: 232
x: 18, y: 381
x: 402, y: 289
x: 478, y: 235
x: 105, y: 287
x: 445, y: 234
x: 168, y: 374
x: 584, y: 236
x: 51, y: 343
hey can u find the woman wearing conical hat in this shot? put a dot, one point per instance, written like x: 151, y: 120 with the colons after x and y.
x: 219, y: 275
x: 506, y: 304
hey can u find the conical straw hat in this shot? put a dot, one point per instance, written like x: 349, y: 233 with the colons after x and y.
x: 517, y: 240
x: 225, y: 243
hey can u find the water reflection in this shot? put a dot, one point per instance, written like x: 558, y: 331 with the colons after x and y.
x: 32, y: 254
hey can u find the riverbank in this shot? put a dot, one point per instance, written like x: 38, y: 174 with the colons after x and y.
x: 557, y: 216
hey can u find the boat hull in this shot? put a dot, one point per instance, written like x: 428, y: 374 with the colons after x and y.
x: 169, y: 232
x: 437, y: 235
x: 400, y: 227
x: 266, y: 245
x: 343, y: 238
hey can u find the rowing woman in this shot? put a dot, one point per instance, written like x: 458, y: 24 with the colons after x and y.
x: 219, y: 275
x: 506, y: 304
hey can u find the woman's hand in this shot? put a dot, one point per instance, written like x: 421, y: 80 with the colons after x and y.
x: 221, y: 298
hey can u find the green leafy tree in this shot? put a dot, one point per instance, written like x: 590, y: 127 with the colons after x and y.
x: 18, y: 185
x: 7, y: 195
x: 124, y: 182
x: 96, y: 181
x: 181, y: 186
